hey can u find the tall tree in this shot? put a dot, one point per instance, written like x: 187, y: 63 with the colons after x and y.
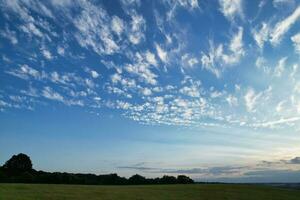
x: 19, y: 163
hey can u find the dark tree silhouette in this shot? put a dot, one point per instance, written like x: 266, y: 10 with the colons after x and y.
x: 137, y: 179
x: 19, y: 169
x: 168, y: 180
x: 18, y: 163
x: 182, y: 179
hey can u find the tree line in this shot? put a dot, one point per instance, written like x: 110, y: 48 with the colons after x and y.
x: 18, y: 169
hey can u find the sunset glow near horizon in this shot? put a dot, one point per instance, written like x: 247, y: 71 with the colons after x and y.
x: 207, y: 88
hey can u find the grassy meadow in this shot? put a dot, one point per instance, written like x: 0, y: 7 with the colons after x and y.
x: 148, y: 192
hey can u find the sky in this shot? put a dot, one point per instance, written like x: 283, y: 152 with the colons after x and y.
x: 206, y: 88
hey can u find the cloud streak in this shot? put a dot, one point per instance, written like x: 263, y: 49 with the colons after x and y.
x: 283, y: 26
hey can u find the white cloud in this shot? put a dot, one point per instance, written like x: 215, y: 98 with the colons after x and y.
x: 29, y: 23
x: 126, y: 84
x: 281, y: 3
x: 30, y: 29
x: 192, y: 61
x: 262, y: 35
x: 94, y: 30
x: 296, y: 42
x: 254, y: 99
x: 236, y: 47
x: 271, y: 124
x: 298, y: 107
x: 251, y: 99
x: 190, y: 4
x: 62, y: 3
x: 133, y: 75
x: 61, y: 51
x: 294, y: 71
x: 30, y: 71
x: 232, y: 100
x: 118, y: 91
x: 142, y: 70
x: 123, y: 105
x: 216, y: 94
x: 283, y: 26
x: 67, y: 79
x: 173, y: 6
x: 279, y: 69
x: 150, y: 57
x: 297, y: 87
x: 115, y: 78
x: 51, y: 94
x: 89, y: 83
x: 97, y: 98
x: 191, y: 91
x: 261, y: 63
x: 161, y: 53
x: 36, y: 6
x: 25, y: 72
x: 117, y: 25
x: 146, y: 91
x: 127, y: 4
x: 138, y: 26
x: 94, y: 74
x: 208, y: 62
x: 10, y: 35
x: 189, y: 60
x: 231, y: 8
x: 217, y: 59
x: 47, y: 54
x: 279, y: 107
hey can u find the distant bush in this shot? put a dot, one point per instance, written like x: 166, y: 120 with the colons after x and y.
x: 18, y: 169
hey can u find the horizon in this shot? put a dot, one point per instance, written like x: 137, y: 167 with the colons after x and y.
x: 208, y: 89
x: 242, y: 180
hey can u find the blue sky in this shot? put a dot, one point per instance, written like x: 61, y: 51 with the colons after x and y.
x: 205, y: 88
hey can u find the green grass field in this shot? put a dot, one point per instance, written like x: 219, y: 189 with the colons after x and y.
x: 153, y: 192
